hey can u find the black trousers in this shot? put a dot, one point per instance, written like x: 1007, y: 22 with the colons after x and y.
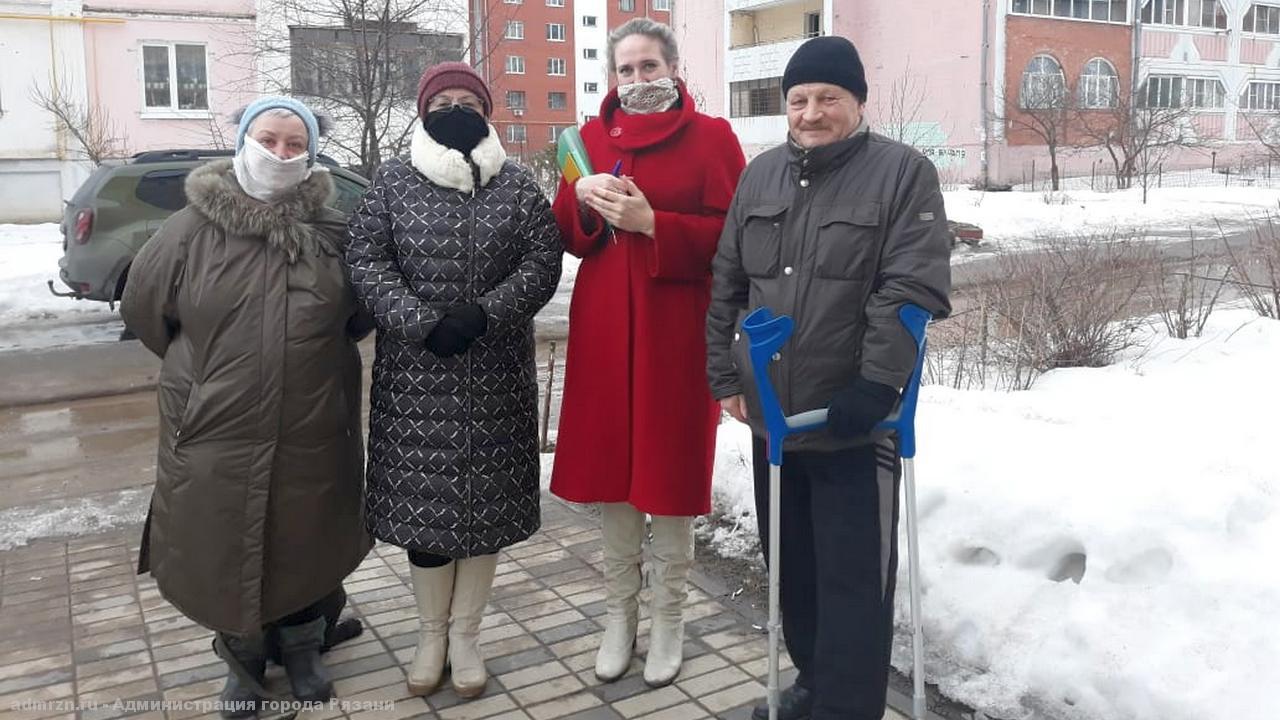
x: 839, y: 556
x: 328, y: 606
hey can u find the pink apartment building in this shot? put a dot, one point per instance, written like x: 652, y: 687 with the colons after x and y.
x: 964, y: 71
x: 166, y: 72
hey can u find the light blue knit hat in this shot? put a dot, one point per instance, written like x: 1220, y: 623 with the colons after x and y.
x: 272, y: 102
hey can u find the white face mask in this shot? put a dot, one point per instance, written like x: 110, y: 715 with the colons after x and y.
x: 643, y: 98
x: 265, y: 177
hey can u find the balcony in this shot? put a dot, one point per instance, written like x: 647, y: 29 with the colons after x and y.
x: 775, y: 22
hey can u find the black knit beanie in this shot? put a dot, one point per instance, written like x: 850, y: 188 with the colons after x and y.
x: 827, y: 59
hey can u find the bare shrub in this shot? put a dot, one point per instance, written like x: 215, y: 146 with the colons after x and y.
x: 1068, y: 303
x: 1256, y: 270
x: 1185, y: 293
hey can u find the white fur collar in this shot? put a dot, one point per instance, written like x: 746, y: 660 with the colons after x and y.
x: 447, y: 168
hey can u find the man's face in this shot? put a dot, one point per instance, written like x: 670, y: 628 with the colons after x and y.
x: 821, y: 113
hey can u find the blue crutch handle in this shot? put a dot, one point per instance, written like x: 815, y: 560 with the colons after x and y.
x: 766, y: 334
x: 902, y: 422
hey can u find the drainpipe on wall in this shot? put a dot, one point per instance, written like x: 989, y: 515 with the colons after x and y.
x: 986, y: 92
x: 1137, y: 54
x: 479, y: 29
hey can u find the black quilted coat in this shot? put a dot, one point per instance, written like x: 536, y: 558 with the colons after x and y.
x: 453, y: 454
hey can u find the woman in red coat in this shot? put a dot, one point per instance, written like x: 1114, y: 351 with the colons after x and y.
x: 638, y: 423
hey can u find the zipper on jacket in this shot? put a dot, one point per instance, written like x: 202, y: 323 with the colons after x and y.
x: 470, y: 297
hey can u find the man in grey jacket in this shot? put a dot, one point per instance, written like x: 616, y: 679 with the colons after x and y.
x: 838, y: 228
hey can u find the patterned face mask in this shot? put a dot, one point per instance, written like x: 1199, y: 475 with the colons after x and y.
x: 644, y: 98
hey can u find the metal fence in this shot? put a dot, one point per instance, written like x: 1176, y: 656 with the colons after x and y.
x: 1099, y: 176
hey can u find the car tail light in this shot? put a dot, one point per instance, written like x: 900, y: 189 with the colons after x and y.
x: 84, y: 226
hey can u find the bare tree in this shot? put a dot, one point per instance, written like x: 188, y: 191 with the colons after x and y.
x: 1042, y: 111
x: 1137, y: 138
x: 88, y: 123
x: 1265, y: 128
x: 899, y: 112
x: 358, y: 61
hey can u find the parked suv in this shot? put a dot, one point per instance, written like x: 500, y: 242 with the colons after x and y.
x: 122, y: 204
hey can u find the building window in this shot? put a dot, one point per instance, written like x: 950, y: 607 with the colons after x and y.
x: 1263, y: 19
x: 1116, y: 11
x: 1163, y: 91
x: 555, y: 32
x: 588, y: 21
x: 755, y: 98
x: 1171, y: 91
x: 175, y: 77
x: 589, y: 53
x: 515, y: 64
x: 515, y: 99
x: 1043, y: 85
x: 517, y: 133
x: 557, y: 67
x: 1261, y: 96
x: 590, y: 87
x: 662, y: 5
x: 1205, y: 94
x: 1185, y: 13
x: 513, y: 2
x: 557, y: 101
x: 323, y: 61
x: 515, y: 30
x: 1098, y: 85
x: 555, y: 3
x: 556, y: 131
x: 812, y: 24
x: 627, y: 5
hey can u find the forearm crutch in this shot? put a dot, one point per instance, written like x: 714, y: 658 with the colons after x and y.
x: 766, y: 335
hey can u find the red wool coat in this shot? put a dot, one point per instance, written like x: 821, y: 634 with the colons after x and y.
x: 638, y: 423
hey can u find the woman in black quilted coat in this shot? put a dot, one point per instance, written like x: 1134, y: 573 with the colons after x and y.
x: 453, y: 250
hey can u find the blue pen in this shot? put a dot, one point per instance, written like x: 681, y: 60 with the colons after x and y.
x: 617, y: 168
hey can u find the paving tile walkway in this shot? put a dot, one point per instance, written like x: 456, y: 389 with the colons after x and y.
x: 83, y: 638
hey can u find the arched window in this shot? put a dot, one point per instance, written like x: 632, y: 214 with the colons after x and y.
x: 1098, y: 85
x: 1043, y: 85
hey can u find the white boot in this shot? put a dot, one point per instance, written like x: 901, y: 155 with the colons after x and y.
x: 471, y: 587
x: 433, y: 589
x: 672, y: 549
x: 623, y: 529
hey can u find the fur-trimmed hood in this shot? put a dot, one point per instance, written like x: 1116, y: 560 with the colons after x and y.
x: 286, y: 224
x: 447, y: 167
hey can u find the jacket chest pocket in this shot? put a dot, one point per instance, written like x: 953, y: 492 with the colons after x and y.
x: 848, y: 239
x: 762, y: 240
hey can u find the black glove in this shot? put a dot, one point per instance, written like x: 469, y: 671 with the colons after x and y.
x: 857, y: 408
x: 460, y: 326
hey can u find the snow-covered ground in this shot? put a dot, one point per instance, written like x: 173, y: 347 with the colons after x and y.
x: 31, y: 254
x: 1156, y: 481
x: 1015, y: 219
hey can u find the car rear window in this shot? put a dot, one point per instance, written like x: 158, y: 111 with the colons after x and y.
x: 83, y: 196
x: 346, y: 194
x: 163, y: 189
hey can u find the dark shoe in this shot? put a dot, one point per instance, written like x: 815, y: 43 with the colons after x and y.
x: 794, y: 703
x: 239, y: 699
x: 300, y: 653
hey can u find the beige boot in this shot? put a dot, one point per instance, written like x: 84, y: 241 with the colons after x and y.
x: 433, y: 589
x: 471, y: 587
x: 623, y: 529
x: 672, y: 549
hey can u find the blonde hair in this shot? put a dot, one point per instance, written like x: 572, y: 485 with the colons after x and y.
x: 649, y: 28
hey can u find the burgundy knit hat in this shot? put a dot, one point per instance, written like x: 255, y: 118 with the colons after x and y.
x: 451, y: 75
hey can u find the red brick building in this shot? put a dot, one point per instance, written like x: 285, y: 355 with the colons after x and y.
x: 538, y: 68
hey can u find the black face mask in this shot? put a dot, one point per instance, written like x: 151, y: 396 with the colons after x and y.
x: 456, y: 127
